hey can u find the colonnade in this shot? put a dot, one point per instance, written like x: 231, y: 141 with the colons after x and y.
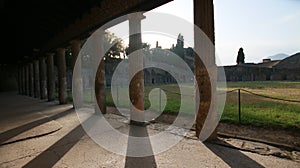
x: 37, y: 79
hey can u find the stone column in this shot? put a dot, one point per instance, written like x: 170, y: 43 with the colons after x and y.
x: 19, y: 81
x: 27, y: 79
x: 77, y: 89
x: 62, y: 75
x: 36, y: 78
x: 204, y: 19
x: 136, y: 87
x: 31, y: 87
x: 100, y: 73
x: 43, y: 83
x: 50, y: 77
x: 24, y: 79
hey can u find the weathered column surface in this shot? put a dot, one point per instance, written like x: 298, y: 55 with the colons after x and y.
x: 36, y: 78
x: 24, y: 79
x: 62, y: 75
x: 27, y: 80
x: 43, y: 83
x: 204, y: 19
x: 136, y: 87
x: 50, y: 77
x: 30, y: 80
x: 77, y: 89
x: 100, y: 73
x: 19, y: 80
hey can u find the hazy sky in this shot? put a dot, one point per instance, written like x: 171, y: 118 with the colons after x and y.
x: 262, y: 27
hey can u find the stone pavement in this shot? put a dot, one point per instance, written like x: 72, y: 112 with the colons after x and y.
x: 36, y: 133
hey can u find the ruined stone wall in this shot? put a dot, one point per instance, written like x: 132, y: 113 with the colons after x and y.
x: 247, y: 73
x: 255, y: 73
x: 285, y: 74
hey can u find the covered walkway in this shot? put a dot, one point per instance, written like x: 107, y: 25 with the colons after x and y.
x: 37, y: 133
x: 36, y: 130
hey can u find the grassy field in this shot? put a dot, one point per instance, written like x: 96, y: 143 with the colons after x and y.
x: 260, y: 111
x: 279, y: 89
x: 255, y: 110
x: 172, y: 98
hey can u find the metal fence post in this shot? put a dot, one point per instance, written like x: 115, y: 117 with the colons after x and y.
x: 91, y: 94
x: 159, y: 100
x: 239, y: 104
x: 117, y: 95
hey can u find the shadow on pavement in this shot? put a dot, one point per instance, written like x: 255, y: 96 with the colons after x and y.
x: 134, y: 147
x: 233, y: 157
x: 54, y: 153
x: 20, y: 129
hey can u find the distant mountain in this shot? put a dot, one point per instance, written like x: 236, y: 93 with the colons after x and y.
x: 279, y: 56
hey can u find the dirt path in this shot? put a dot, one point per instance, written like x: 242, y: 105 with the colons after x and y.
x: 288, y: 138
x: 275, y: 142
x: 278, y: 137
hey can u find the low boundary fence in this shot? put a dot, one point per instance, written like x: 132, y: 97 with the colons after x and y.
x: 243, y: 104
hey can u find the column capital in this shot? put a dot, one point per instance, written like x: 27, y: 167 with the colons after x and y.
x: 75, y: 42
x: 136, y: 16
x: 41, y: 58
x: 99, y: 31
x: 50, y: 54
x: 61, y: 49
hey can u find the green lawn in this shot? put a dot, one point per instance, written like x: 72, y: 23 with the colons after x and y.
x: 172, y: 98
x: 264, y: 84
x: 260, y: 111
x: 255, y: 110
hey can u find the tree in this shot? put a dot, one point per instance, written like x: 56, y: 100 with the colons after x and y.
x: 146, y: 46
x: 116, y: 44
x: 179, y: 48
x: 240, y: 57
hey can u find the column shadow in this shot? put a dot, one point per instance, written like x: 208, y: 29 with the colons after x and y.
x: 20, y: 129
x: 135, y: 147
x: 54, y: 153
x: 233, y: 157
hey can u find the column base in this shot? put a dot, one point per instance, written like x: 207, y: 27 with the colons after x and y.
x: 139, y: 123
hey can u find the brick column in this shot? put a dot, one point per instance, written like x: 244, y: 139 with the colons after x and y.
x: 100, y: 74
x: 30, y: 80
x: 43, y: 83
x: 27, y: 79
x: 204, y: 19
x: 77, y: 89
x: 24, y: 79
x: 21, y: 80
x: 136, y: 87
x: 50, y: 77
x: 62, y: 75
x: 36, y: 78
